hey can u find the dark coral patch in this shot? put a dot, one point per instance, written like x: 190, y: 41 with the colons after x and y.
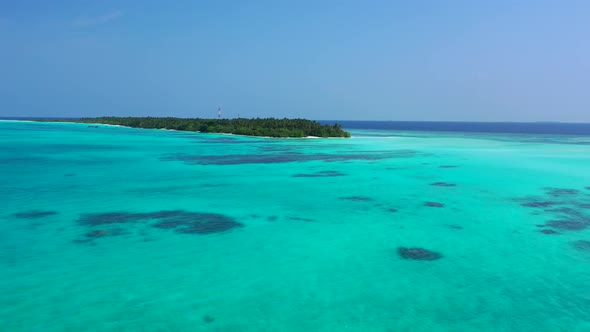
x: 208, y: 319
x: 321, y: 174
x: 126, y: 217
x: 109, y: 218
x: 34, y: 214
x: 559, y: 192
x: 287, y: 157
x: 236, y: 159
x: 105, y: 232
x: 208, y: 227
x: 570, y: 225
x: 91, y: 236
x: 443, y: 184
x: 169, y: 224
x: 448, y: 166
x: 356, y: 198
x: 581, y: 245
x: 434, y: 204
x: 279, y: 148
x: 455, y: 227
x: 181, y: 221
x: 197, y: 223
x: 570, y: 213
x: 271, y: 218
x: 419, y: 254
x: 392, y: 210
x: 300, y: 219
x: 549, y: 232
x: 97, y: 233
x: 540, y: 204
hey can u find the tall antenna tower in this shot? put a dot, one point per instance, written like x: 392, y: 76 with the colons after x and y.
x: 219, y: 112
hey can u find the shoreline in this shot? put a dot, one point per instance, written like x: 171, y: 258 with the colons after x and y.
x: 166, y: 129
x: 198, y: 132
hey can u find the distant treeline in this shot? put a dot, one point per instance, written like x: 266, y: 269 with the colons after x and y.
x: 252, y: 127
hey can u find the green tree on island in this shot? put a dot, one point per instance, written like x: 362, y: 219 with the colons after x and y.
x: 252, y: 127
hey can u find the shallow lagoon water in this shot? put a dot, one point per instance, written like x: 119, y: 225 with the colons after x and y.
x: 111, y: 229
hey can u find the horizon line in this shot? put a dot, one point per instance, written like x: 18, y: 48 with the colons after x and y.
x: 356, y: 120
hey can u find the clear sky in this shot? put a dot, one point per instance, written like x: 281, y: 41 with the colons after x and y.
x: 349, y: 60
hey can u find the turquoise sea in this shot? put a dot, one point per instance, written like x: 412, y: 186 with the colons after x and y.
x: 120, y: 229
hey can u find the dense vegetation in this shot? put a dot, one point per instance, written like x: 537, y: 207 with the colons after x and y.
x: 253, y: 127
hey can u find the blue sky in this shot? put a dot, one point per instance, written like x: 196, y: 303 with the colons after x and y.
x: 372, y: 60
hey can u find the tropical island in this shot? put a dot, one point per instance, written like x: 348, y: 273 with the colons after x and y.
x: 269, y: 127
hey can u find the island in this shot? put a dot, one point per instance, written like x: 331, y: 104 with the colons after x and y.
x: 269, y: 127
